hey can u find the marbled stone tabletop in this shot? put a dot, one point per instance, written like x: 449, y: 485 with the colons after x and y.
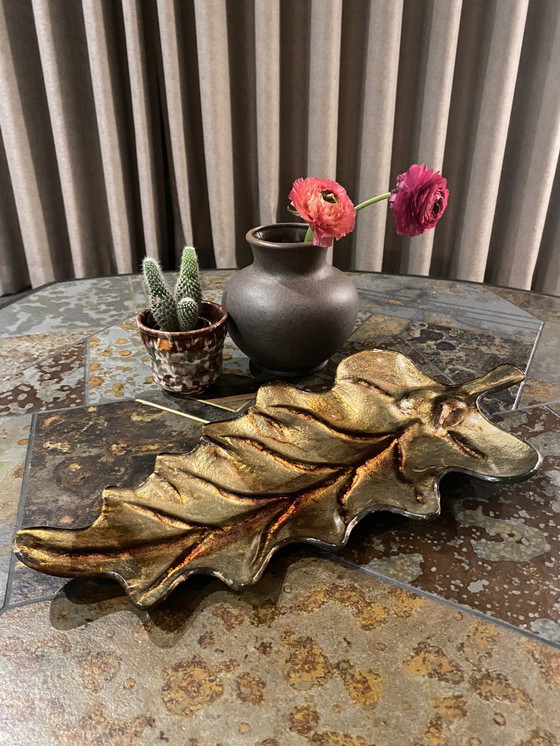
x: 445, y: 632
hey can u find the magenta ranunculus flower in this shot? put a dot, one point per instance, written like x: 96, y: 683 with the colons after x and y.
x: 419, y: 200
x: 325, y: 206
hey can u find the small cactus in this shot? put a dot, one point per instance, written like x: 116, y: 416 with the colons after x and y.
x: 162, y: 302
x: 187, y: 313
x: 188, y: 284
x: 176, y: 311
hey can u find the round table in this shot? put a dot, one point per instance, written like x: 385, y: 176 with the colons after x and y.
x: 439, y: 632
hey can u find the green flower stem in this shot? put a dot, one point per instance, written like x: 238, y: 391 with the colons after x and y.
x: 309, y: 234
x: 373, y: 200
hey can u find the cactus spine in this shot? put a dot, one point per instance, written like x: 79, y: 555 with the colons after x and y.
x: 176, y: 311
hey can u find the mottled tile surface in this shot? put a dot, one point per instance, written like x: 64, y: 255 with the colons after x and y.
x: 14, y: 439
x: 213, y: 283
x: 234, y: 361
x: 462, y: 355
x: 18, y: 353
x: 324, y: 649
x: 80, y: 304
x: 316, y: 654
x: 377, y: 325
x: 535, y: 392
x: 463, y: 305
x: 118, y: 364
x: 544, y: 365
x: 54, y: 383
x: 543, y: 374
x: 545, y: 307
x: 138, y: 292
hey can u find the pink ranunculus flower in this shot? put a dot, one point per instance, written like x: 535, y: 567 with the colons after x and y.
x: 325, y: 206
x: 418, y: 201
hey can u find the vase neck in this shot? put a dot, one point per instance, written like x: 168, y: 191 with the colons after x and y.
x: 297, y: 259
x: 280, y: 248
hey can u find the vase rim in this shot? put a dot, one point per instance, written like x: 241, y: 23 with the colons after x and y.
x: 256, y: 241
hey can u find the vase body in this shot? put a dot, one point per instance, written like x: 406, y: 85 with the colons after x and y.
x: 186, y: 362
x: 290, y: 310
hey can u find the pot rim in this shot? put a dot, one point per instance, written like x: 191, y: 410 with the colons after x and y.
x: 205, y: 330
x: 252, y: 239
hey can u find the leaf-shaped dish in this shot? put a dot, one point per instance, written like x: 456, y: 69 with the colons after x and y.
x: 298, y: 466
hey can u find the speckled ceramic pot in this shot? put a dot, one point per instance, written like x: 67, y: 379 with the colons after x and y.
x: 186, y: 362
x: 290, y: 310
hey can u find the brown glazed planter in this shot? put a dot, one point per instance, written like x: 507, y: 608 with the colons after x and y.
x: 186, y: 362
x: 290, y: 310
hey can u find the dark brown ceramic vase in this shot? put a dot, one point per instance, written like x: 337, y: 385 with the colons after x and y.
x: 290, y: 310
x: 186, y: 362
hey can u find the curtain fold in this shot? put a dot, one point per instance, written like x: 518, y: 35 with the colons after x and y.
x: 432, y: 113
x: 176, y: 111
x: 213, y: 51
x: 146, y: 140
x: 65, y: 70
x: 22, y: 181
x: 373, y: 160
x: 547, y: 273
x: 267, y: 72
x: 324, y: 70
x: 500, y: 56
x: 533, y: 147
x: 112, y: 135
x: 132, y: 127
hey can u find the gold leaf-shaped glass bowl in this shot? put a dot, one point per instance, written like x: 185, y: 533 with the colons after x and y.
x: 297, y: 466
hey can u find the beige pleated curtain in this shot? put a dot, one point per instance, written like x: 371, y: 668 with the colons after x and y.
x: 132, y: 127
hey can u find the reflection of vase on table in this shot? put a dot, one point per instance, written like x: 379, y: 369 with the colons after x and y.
x: 290, y: 310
